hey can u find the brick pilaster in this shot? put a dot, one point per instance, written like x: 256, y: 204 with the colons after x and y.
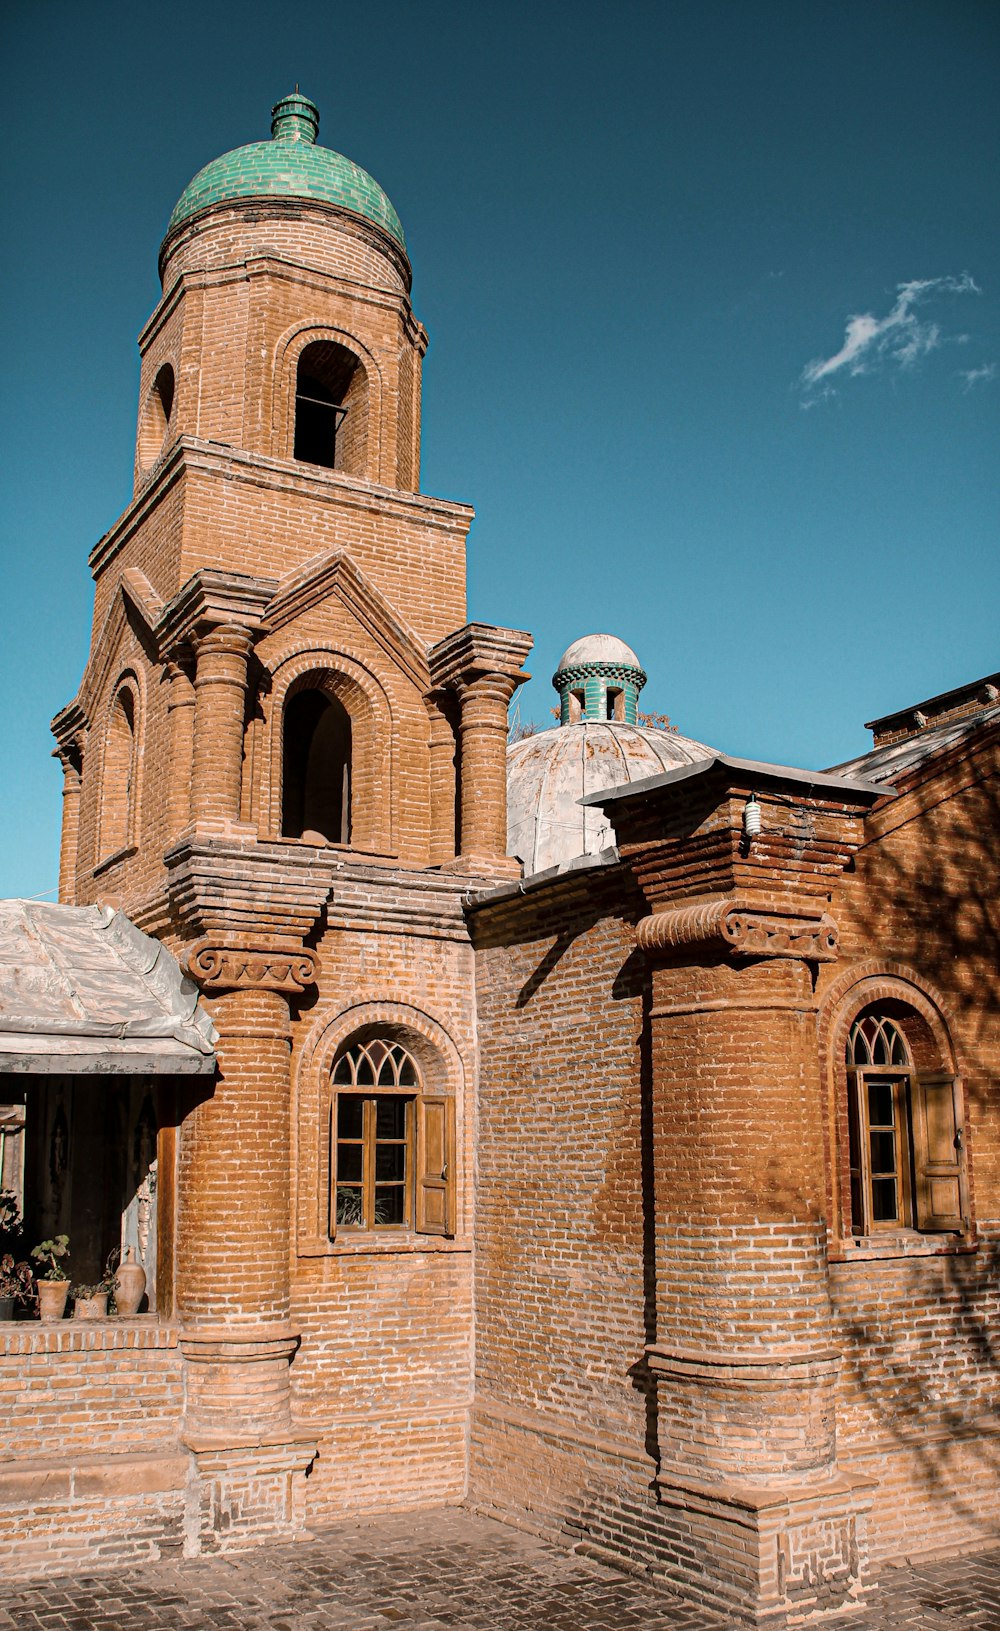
x: 481, y: 665
x: 219, y: 716
x: 69, y: 842
x: 181, y: 712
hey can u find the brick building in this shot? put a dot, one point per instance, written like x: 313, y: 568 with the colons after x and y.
x: 637, y: 1178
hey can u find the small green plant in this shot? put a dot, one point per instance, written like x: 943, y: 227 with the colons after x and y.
x: 51, y: 1252
x: 105, y: 1286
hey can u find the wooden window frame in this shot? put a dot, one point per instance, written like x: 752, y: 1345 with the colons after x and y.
x: 862, y: 1175
x: 930, y: 1170
x: 429, y: 1188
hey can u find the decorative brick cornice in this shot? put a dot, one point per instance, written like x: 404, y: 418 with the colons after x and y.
x: 219, y: 967
x: 69, y: 729
x: 247, y: 895
x: 744, y: 927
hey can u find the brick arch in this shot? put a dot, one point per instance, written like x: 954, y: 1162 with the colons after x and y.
x: 118, y: 819
x: 343, y: 675
x: 441, y: 1070
x: 874, y: 981
x: 857, y: 988
x: 287, y: 352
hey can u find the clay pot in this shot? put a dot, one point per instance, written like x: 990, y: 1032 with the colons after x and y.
x: 6, y: 1308
x: 130, y: 1285
x: 52, y: 1295
x: 91, y: 1308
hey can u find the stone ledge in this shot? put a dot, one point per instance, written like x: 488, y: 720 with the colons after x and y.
x: 70, y: 1336
x: 99, y: 1477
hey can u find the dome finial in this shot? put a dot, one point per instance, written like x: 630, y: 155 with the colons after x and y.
x: 295, y: 119
x: 598, y: 677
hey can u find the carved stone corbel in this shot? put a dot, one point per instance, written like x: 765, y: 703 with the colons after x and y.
x: 221, y: 967
x: 743, y: 927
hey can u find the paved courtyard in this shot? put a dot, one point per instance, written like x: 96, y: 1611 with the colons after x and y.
x: 438, y: 1569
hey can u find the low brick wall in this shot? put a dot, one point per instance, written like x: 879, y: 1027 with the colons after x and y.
x: 91, y: 1470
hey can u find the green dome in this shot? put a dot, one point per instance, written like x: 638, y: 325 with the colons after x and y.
x: 289, y: 166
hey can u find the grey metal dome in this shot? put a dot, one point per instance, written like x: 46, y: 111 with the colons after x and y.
x: 549, y: 773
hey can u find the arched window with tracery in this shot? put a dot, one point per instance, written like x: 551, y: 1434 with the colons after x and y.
x: 120, y: 770
x: 391, y: 1143
x: 905, y: 1127
x: 316, y: 768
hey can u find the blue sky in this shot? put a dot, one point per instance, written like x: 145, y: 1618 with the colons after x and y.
x: 713, y: 291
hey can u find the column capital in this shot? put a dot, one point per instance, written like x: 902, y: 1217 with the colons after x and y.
x: 223, y: 640
x: 210, y: 600
x: 479, y: 650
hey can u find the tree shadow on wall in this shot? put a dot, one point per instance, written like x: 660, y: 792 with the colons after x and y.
x: 632, y: 980
x: 924, y: 1365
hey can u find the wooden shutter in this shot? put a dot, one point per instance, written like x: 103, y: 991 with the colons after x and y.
x: 939, y: 1169
x: 435, y: 1166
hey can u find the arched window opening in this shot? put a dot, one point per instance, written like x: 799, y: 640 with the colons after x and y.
x: 331, y: 402
x: 118, y: 785
x: 577, y: 706
x: 904, y: 1126
x: 616, y: 704
x: 156, y: 417
x: 316, y: 779
x: 391, y: 1144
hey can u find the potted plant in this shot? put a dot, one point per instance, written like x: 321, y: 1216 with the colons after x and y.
x: 90, y: 1302
x: 15, y: 1285
x: 53, y: 1284
x: 15, y: 1277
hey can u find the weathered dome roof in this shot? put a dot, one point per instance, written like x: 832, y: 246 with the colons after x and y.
x: 598, y: 648
x: 289, y: 166
x: 549, y: 773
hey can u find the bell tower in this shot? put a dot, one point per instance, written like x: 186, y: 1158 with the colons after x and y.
x: 287, y: 754
x: 282, y: 342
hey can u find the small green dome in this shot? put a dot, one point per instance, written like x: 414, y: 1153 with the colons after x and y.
x: 290, y: 166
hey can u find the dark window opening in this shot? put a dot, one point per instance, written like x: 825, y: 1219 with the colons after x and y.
x: 329, y: 387
x: 316, y: 780
x: 616, y: 705
x: 156, y: 416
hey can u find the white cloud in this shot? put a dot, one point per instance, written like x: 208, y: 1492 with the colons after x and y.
x: 899, y: 339
x: 978, y: 376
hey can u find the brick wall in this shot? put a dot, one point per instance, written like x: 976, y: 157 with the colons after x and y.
x: 563, y: 1429
x: 92, y: 1472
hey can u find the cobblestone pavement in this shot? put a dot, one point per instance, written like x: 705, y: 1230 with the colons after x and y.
x: 444, y: 1568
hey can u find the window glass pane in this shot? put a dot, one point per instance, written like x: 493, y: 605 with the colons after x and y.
x: 342, y: 1073
x: 880, y: 1112
x: 389, y: 1206
x: 390, y: 1118
x: 407, y: 1072
x: 883, y: 1152
x: 350, y: 1207
x: 350, y: 1115
x: 387, y: 1074
x: 350, y: 1163
x: 365, y: 1076
x: 884, y: 1200
x: 390, y: 1162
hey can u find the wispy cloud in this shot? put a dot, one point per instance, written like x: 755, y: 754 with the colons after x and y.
x: 977, y: 376
x: 898, y: 340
